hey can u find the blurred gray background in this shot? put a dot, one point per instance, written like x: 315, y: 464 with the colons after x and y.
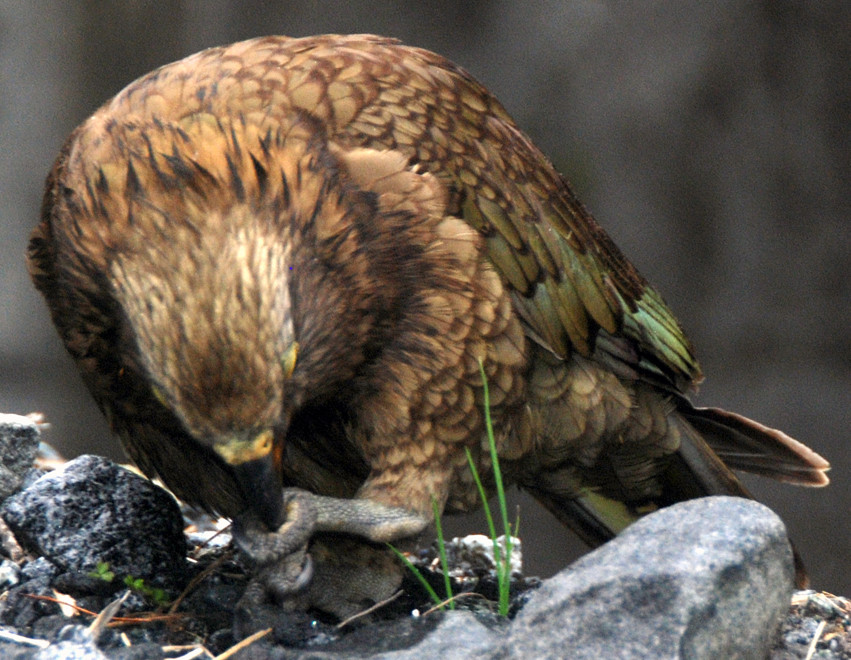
x: 710, y: 138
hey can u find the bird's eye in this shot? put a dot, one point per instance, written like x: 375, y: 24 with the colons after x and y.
x: 289, y: 359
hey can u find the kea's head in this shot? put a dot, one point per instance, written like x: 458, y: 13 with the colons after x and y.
x: 191, y: 230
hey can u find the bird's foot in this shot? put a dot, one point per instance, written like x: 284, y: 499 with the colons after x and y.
x: 263, y: 546
x: 279, y: 558
x: 334, y: 572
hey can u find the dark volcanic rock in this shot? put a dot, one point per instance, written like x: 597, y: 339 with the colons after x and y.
x: 91, y: 511
x: 23, y: 604
x: 19, y: 438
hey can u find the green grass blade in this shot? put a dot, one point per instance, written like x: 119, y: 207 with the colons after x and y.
x: 503, y: 564
x: 441, y: 548
x: 482, y: 494
x: 431, y: 592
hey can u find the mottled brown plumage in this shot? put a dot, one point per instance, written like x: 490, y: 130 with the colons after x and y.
x: 281, y: 262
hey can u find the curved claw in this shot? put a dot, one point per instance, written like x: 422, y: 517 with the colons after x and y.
x: 305, y: 576
x: 280, y: 582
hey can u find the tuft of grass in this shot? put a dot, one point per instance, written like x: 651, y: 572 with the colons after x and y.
x: 502, y: 561
x: 437, y: 600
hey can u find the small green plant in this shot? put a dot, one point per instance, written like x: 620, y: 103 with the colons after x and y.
x: 137, y: 585
x: 501, y: 561
x: 154, y: 594
x: 102, y: 572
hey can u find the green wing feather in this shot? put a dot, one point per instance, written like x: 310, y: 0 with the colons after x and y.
x: 570, y: 282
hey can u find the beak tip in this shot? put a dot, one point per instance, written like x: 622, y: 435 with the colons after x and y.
x: 261, y: 489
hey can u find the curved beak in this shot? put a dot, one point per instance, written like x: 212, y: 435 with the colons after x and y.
x: 256, y: 472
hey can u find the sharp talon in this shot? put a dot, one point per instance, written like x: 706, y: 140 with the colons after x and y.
x: 306, y: 575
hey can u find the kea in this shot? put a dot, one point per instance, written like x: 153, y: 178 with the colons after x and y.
x: 282, y: 266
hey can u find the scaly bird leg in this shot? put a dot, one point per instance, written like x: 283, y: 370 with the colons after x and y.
x: 371, y: 520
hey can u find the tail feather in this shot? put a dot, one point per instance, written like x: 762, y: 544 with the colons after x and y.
x: 696, y: 470
x: 746, y: 445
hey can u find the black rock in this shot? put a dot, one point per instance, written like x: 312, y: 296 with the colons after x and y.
x: 17, y: 650
x: 144, y: 651
x: 10, y: 574
x: 458, y: 635
x: 39, y: 569
x: 25, y: 604
x: 19, y: 438
x: 92, y: 511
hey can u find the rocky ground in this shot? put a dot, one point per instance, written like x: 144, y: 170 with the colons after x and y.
x: 100, y: 563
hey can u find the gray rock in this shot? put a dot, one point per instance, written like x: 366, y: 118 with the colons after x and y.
x: 10, y: 574
x: 457, y: 635
x: 73, y: 643
x: 19, y: 438
x: 90, y: 511
x: 708, y: 578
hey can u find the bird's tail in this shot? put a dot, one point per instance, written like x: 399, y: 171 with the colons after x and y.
x: 713, y: 442
x: 743, y: 444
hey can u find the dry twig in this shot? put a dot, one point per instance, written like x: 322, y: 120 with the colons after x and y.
x: 368, y: 610
x: 248, y: 641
